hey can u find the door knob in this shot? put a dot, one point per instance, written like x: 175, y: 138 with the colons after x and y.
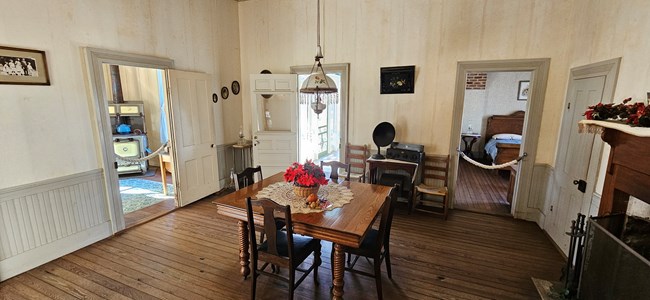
x: 212, y: 146
x: 582, y: 185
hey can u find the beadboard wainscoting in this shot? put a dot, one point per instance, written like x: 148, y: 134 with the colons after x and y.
x: 44, y: 220
x: 225, y: 154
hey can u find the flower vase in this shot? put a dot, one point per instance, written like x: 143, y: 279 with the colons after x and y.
x: 303, y: 191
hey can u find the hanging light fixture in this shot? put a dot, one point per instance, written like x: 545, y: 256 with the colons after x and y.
x: 318, y: 88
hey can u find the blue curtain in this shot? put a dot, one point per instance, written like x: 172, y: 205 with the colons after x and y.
x: 163, y: 116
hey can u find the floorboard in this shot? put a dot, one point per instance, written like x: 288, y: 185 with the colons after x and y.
x: 481, y: 190
x: 192, y: 253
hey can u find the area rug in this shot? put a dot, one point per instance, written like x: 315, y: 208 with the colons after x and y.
x: 139, y: 193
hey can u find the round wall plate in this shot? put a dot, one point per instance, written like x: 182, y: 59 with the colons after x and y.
x: 234, y: 87
x: 215, y: 98
x: 224, y: 93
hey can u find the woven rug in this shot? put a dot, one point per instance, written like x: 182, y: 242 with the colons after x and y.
x: 139, y: 193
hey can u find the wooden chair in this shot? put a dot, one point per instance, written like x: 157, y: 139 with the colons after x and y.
x: 436, y: 168
x: 356, y: 156
x: 247, y: 177
x: 282, y: 248
x: 376, y: 244
x: 335, y: 166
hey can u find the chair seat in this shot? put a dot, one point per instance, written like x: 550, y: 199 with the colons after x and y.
x: 302, y: 246
x: 427, y: 189
x: 367, y: 245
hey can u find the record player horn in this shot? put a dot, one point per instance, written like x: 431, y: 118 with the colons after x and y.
x: 383, y: 135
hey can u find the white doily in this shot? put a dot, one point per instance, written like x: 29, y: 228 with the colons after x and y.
x: 330, y: 196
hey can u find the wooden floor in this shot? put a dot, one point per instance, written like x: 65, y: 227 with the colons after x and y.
x: 192, y: 253
x: 481, y: 190
x: 153, y: 211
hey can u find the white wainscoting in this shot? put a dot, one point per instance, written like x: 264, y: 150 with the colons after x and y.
x: 45, y: 220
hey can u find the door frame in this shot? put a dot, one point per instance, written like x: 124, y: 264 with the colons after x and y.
x: 95, y: 58
x: 538, y: 67
x: 344, y: 69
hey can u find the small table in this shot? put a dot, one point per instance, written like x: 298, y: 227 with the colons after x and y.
x: 468, y: 140
x: 344, y: 226
x: 392, y: 164
x: 165, y: 159
x: 245, y: 154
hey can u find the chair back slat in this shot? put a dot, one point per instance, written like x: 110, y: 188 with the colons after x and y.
x: 247, y: 177
x: 436, y: 168
x: 387, y: 218
x: 270, y: 207
x: 356, y: 156
x: 335, y: 165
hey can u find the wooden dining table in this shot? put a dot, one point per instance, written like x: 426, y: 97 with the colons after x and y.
x: 343, y: 226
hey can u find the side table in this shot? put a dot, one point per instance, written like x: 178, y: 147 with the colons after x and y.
x: 468, y: 141
x: 245, y: 155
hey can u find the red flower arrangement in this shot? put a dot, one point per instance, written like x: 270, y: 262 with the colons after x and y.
x: 635, y: 114
x: 305, y: 175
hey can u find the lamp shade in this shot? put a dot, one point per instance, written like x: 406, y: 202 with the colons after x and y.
x: 318, y: 83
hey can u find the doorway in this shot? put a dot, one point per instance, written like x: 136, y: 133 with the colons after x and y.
x: 137, y: 101
x: 522, y: 206
x: 492, y: 123
x: 321, y: 136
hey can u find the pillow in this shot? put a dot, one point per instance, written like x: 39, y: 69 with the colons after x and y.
x: 506, y: 136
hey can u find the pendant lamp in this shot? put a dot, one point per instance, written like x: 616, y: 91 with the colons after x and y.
x: 318, y: 89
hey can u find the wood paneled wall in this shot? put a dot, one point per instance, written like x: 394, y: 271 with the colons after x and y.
x: 36, y: 218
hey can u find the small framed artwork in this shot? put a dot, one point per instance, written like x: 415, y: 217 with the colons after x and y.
x: 398, y: 80
x: 224, y: 93
x: 234, y: 87
x: 23, y: 66
x: 523, y: 90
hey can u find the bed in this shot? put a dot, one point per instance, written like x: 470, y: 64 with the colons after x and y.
x: 503, y: 136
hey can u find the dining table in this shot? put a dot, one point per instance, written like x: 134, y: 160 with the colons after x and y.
x: 343, y: 226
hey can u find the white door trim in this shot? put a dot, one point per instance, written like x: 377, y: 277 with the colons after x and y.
x: 539, y: 74
x: 343, y: 92
x: 103, y: 139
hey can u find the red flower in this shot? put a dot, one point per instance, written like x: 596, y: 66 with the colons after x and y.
x: 636, y: 114
x: 306, y: 175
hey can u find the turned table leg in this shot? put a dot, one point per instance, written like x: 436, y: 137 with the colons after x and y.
x: 243, y: 248
x: 339, y: 270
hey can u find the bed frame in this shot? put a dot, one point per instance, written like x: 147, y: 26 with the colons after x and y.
x: 512, y: 123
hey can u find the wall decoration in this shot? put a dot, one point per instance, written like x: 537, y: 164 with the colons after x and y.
x: 523, y: 90
x: 215, y: 98
x: 23, y: 66
x: 234, y: 87
x: 224, y: 93
x: 398, y: 80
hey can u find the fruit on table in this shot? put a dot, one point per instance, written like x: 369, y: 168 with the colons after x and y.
x: 313, y: 205
x: 312, y: 198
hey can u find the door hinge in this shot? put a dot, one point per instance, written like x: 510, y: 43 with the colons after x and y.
x: 568, y: 106
x: 115, y: 164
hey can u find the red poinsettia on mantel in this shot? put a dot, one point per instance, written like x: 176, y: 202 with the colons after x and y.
x: 635, y: 114
x: 305, y: 175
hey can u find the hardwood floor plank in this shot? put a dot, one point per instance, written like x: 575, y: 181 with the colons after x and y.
x: 192, y: 253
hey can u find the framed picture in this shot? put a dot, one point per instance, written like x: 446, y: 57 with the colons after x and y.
x: 523, y: 90
x: 234, y: 87
x: 224, y: 93
x: 398, y: 80
x: 23, y: 66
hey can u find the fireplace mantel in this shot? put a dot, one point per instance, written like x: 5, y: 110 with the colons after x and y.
x: 628, y: 168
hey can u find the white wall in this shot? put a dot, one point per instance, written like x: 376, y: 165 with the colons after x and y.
x: 47, y: 130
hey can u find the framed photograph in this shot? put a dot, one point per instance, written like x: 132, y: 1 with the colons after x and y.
x: 234, y: 87
x: 224, y: 93
x: 23, y: 66
x: 523, y: 90
x: 398, y: 80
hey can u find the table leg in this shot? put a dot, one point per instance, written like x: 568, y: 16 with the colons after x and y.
x: 243, y: 248
x: 339, y: 270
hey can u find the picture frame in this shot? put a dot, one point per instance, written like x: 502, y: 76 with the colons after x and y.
x: 23, y: 66
x: 523, y: 90
x: 224, y: 93
x: 397, y: 80
x: 234, y: 87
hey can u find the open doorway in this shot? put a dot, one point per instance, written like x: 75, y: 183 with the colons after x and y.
x: 491, y: 133
x: 137, y: 101
x: 523, y: 205
x: 321, y: 136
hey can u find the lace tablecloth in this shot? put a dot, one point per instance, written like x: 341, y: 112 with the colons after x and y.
x: 330, y: 196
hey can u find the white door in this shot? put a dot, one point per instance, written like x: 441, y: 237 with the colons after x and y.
x: 577, y: 159
x: 274, y: 104
x: 194, y: 151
